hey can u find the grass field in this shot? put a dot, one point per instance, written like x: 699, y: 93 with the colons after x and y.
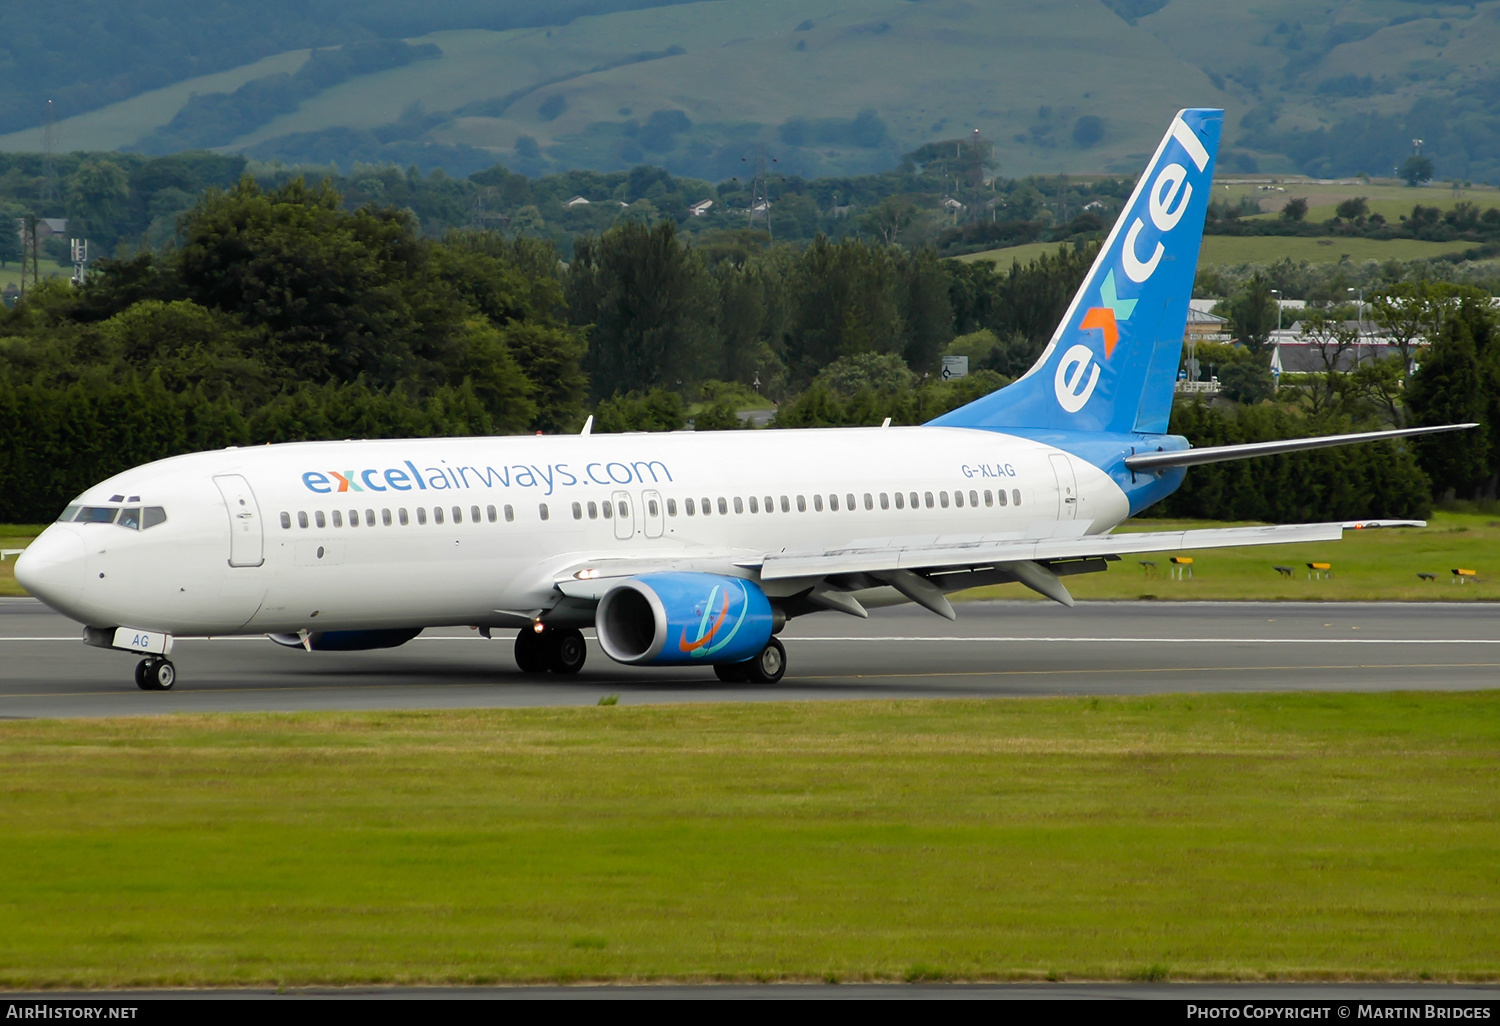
x: 1368, y: 566
x: 1245, y: 837
x: 1375, y: 565
x: 1264, y: 249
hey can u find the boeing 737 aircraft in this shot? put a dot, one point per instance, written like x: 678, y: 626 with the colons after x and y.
x: 681, y: 549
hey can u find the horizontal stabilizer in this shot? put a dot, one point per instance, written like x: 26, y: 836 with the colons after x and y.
x: 1220, y: 453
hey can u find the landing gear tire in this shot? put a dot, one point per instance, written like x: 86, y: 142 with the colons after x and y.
x: 566, y: 651
x: 769, y: 666
x: 155, y: 675
x: 732, y: 673
x: 531, y: 651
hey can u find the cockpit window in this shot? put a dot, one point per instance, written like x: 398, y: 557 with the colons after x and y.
x: 97, y: 515
x: 68, y: 514
x: 151, y: 516
x: 130, y: 518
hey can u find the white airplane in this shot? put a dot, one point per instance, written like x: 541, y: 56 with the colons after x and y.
x: 684, y: 549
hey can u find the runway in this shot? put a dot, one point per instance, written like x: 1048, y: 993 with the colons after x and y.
x: 995, y: 649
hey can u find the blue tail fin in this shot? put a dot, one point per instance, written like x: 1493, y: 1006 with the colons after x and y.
x: 1113, y: 360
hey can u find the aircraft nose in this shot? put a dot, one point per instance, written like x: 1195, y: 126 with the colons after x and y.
x: 52, y: 567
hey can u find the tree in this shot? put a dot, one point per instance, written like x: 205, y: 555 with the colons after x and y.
x: 1252, y: 313
x: 1352, y: 209
x: 1448, y: 390
x: 1295, y: 210
x: 10, y: 238
x: 1409, y: 313
x: 650, y: 303
x: 1246, y: 381
x: 1416, y: 170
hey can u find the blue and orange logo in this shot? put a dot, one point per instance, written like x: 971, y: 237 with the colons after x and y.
x: 709, y: 639
x: 1107, y: 318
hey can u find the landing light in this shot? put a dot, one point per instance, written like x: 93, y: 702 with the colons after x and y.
x: 587, y: 575
x: 538, y: 626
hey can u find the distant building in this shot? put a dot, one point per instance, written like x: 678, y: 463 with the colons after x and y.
x: 576, y: 201
x: 701, y: 207
x: 949, y: 203
x: 1094, y: 205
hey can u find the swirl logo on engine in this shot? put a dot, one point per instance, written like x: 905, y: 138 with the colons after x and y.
x: 708, y: 641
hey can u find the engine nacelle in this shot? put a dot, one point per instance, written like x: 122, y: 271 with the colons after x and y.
x: 348, y: 641
x: 677, y: 619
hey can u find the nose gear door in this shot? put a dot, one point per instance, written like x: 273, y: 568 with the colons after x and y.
x: 246, y: 541
x: 1067, y: 487
x: 624, y: 516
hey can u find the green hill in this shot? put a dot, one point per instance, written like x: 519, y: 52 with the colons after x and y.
x: 829, y: 88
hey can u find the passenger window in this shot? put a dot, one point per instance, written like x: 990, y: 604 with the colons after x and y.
x: 989, y: 497
x: 688, y: 505
x: 928, y: 496
x: 1000, y: 494
x: 914, y: 499
x: 490, y: 513
x: 943, y: 499
x: 318, y: 518
x: 958, y: 499
x: 354, y: 518
x: 458, y: 514
x: 849, y: 503
x: 437, y: 514
x: 818, y: 503
x: 885, y: 500
x: 609, y: 509
x: 1015, y: 496
x: 510, y: 514
x: 153, y: 515
x: 671, y: 507
x: 723, y: 507
x: 130, y: 519
x: 542, y: 511
x: 707, y: 506
x: 338, y: 519
x: 900, y: 501
x: 801, y: 504
x: 286, y: 520
x: 301, y: 518
x: 869, y: 501
x: 593, y: 511
x: 786, y: 506
x: 833, y: 503
x: 770, y: 506
x: 754, y: 505
x: 401, y: 516
x: 385, y: 517
x: 421, y: 514
x: 577, y: 511
x: 652, y: 508
x: 369, y: 518
x: 473, y: 514
x: 973, y: 497
x: 739, y: 505
x: 623, y: 508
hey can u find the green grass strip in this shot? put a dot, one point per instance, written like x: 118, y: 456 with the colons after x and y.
x: 1242, y: 836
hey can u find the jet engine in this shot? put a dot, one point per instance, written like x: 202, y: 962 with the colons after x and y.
x: 348, y: 641
x: 680, y: 619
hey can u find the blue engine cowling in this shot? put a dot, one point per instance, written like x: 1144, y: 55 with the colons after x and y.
x: 348, y: 641
x: 683, y: 619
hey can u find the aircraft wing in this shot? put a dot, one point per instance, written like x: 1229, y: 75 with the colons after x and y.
x: 940, y: 552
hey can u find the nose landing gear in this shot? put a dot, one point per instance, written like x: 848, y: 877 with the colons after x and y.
x: 155, y: 674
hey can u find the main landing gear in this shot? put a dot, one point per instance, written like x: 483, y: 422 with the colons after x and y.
x: 560, y: 650
x: 155, y: 674
x: 766, y: 668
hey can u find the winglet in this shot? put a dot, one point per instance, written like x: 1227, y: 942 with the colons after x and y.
x: 588, y: 426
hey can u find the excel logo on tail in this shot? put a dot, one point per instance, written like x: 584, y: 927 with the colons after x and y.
x: 1077, y: 373
x: 1165, y: 202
